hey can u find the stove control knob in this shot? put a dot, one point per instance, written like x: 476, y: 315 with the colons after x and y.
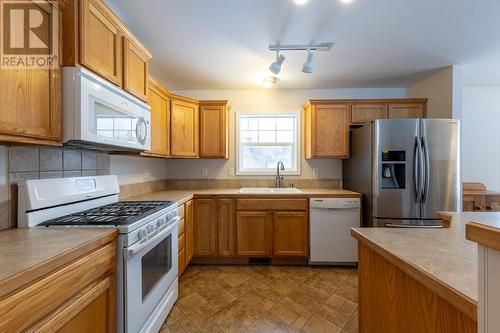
x: 160, y: 222
x: 169, y: 216
x: 142, y: 233
x: 151, y: 228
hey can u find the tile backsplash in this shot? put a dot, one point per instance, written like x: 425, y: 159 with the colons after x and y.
x: 26, y: 163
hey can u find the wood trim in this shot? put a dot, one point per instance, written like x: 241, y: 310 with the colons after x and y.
x: 463, y: 303
x: 446, y: 217
x: 483, y: 234
x: 185, y: 99
x: 272, y: 204
x: 368, y: 101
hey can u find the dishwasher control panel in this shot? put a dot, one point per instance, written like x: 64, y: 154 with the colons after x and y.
x: 336, y: 203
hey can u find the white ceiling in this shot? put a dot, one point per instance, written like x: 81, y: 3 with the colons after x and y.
x: 222, y: 44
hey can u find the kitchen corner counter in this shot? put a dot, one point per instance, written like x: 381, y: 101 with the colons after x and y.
x: 28, y: 254
x: 182, y: 196
x: 484, y: 229
x: 442, y: 260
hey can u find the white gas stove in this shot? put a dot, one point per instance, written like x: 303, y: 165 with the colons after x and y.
x: 147, y: 261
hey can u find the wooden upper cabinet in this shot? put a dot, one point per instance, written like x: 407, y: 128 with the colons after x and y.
x: 407, y: 110
x: 254, y: 233
x: 326, y: 129
x: 366, y: 112
x: 100, y: 41
x: 214, y: 129
x: 159, y: 101
x: 205, y: 227
x: 135, y: 69
x: 291, y: 236
x: 226, y: 226
x: 184, y: 127
x: 30, y: 99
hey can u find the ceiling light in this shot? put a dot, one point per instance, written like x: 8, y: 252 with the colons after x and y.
x: 309, y: 64
x: 346, y: 1
x: 269, y: 82
x: 300, y: 2
x: 276, y: 66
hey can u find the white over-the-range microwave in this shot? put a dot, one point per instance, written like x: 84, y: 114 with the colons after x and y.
x: 97, y: 114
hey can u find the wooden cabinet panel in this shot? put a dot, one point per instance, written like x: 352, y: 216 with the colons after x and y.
x: 327, y: 130
x: 226, y: 228
x: 160, y: 120
x: 406, y: 110
x: 272, y: 204
x: 254, y: 232
x: 135, y: 69
x: 291, y: 234
x: 214, y: 129
x: 181, y: 241
x: 189, y: 220
x: 205, y: 227
x: 363, y: 112
x: 493, y: 203
x: 100, y: 41
x: 182, y: 262
x: 184, y: 127
x: 474, y: 203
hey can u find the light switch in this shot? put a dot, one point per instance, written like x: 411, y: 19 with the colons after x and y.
x: 315, y: 172
x: 204, y: 172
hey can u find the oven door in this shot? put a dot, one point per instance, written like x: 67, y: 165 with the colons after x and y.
x: 150, y: 269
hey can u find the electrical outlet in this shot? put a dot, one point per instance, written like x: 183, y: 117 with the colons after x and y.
x: 315, y: 172
x: 204, y: 172
x: 231, y: 171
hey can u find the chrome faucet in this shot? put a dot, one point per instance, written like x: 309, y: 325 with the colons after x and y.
x: 279, y: 178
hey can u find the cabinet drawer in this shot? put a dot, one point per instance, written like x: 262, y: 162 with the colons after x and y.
x: 48, y: 294
x: 181, y: 211
x: 271, y: 204
x: 182, y: 242
x: 182, y: 226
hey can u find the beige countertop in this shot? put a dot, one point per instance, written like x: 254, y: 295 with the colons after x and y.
x: 181, y: 196
x: 484, y: 229
x: 441, y: 259
x: 28, y: 254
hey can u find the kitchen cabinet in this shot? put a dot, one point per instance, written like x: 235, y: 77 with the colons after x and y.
x: 205, y: 228
x: 95, y: 38
x: 159, y: 101
x: 366, y: 112
x: 77, y: 297
x: 214, y: 129
x: 189, y: 219
x: 406, y: 110
x: 326, y: 129
x: 31, y: 98
x: 291, y: 234
x: 254, y: 233
x: 477, y: 198
x: 184, y: 127
x: 226, y: 228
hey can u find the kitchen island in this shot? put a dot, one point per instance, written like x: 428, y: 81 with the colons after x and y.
x: 418, y: 280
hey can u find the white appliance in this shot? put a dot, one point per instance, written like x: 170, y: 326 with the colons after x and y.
x: 98, y: 114
x: 147, y: 261
x: 331, y: 220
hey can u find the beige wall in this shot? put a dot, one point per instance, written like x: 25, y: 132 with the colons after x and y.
x: 274, y: 100
x: 438, y: 88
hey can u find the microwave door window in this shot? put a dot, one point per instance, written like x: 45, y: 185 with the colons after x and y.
x: 113, y: 123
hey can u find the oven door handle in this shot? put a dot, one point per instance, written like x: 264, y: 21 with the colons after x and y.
x: 138, y: 247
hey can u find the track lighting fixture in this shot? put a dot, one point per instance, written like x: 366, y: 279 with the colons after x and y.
x: 309, y: 64
x: 276, y: 66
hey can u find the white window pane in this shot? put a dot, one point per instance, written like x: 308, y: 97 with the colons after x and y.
x: 267, y: 123
x: 258, y: 157
x: 285, y: 123
x: 267, y: 136
x: 285, y: 136
x: 249, y: 136
x: 244, y: 126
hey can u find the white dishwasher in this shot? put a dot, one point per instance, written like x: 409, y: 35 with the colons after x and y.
x: 331, y: 220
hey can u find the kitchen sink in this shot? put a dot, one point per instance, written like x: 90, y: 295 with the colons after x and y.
x: 269, y: 190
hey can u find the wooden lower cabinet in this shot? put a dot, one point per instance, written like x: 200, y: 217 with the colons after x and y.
x: 474, y: 203
x: 226, y: 228
x: 205, y: 228
x: 254, y: 233
x: 477, y: 198
x: 189, y: 220
x: 291, y: 236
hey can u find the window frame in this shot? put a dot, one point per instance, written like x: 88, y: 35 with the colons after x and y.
x: 270, y: 113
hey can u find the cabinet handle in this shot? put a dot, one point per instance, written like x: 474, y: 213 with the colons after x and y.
x: 477, y: 208
x: 489, y: 208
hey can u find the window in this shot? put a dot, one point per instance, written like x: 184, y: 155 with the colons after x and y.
x: 265, y: 139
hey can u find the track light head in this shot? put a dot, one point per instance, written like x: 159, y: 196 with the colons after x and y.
x: 309, y: 64
x: 269, y: 82
x: 276, y: 66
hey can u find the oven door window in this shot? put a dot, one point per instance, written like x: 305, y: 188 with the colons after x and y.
x: 155, y: 265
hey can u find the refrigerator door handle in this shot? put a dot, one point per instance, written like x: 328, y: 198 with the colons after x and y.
x: 426, y: 169
x: 417, y: 182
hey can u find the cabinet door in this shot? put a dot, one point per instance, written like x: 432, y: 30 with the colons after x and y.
x: 100, y: 42
x: 205, y: 227
x: 363, y: 113
x: 135, y: 69
x: 226, y: 228
x: 329, y: 130
x: 160, y: 120
x: 254, y: 232
x: 189, y: 231
x: 474, y: 203
x: 183, y: 128
x: 291, y: 236
x: 181, y: 262
x: 406, y: 110
x: 493, y: 203
x: 214, y: 130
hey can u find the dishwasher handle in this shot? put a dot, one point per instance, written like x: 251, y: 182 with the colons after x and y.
x: 336, y: 209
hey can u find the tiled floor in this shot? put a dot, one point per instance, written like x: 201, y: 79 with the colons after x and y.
x: 265, y: 299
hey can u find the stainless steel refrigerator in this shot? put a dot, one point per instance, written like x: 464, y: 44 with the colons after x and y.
x: 407, y: 170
